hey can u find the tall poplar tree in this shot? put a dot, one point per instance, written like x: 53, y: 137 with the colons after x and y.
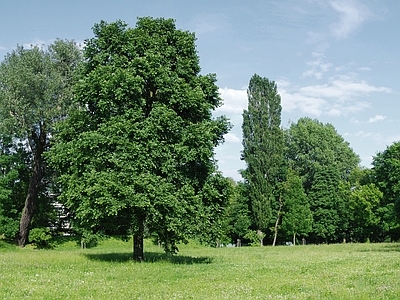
x: 263, y: 149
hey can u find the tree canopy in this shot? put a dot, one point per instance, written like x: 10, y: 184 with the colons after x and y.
x: 137, y: 155
x: 36, y: 92
x: 262, y: 148
x: 311, y: 146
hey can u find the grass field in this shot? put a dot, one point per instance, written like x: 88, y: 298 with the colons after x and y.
x: 351, y: 271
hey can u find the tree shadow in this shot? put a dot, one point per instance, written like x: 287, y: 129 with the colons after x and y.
x: 7, y: 244
x: 395, y: 247
x: 150, y: 257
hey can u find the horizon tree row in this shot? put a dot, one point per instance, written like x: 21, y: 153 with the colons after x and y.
x: 119, y: 139
x: 337, y: 199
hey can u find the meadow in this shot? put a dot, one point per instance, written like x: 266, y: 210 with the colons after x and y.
x: 345, y: 271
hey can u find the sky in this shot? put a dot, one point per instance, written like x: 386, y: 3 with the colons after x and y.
x: 337, y: 61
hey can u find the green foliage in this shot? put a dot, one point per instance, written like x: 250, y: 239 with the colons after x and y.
x: 36, y: 87
x: 238, y: 213
x: 386, y: 172
x: 324, y: 199
x: 35, y: 93
x: 386, y: 168
x: 138, y: 152
x: 262, y: 148
x: 216, y: 194
x: 324, y: 160
x: 41, y: 237
x: 311, y: 146
x: 255, y: 237
x: 297, y: 217
x: 364, y: 204
x: 13, y: 185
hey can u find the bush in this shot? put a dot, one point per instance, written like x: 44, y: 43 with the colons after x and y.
x: 89, y: 239
x: 255, y: 237
x: 41, y: 237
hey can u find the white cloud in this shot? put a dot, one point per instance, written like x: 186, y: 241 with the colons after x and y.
x: 351, y: 16
x: 386, y: 140
x: 363, y: 134
x: 354, y: 120
x: 342, y: 88
x: 293, y: 101
x: 339, y: 96
x: 376, y: 119
x: 365, y: 69
x: 318, y: 66
x: 234, y: 101
x: 2, y: 48
x: 209, y: 23
x: 231, y: 138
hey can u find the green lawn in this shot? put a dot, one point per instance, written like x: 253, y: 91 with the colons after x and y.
x: 351, y: 271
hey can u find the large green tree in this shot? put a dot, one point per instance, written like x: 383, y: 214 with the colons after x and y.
x: 297, y: 217
x: 13, y: 185
x: 325, y: 203
x: 262, y: 149
x: 386, y: 173
x: 137, y: 156
x: 310, y: 146
x: 35, y: 92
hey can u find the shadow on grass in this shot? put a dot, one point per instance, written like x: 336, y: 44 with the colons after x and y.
x: 395, y: 247
x: 7, y: 244
x: 150, y: 257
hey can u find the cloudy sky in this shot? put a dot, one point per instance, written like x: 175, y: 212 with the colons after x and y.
x: 337, y: 61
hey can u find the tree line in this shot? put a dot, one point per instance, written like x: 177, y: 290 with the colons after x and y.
x: 118, y: 139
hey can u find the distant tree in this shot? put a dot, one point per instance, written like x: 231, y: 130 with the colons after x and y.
x: 364, y: 204
x: 262, y: 149
x: 360, y: 204
x: 311, y: 146
x: 386, y: 172
x: 35, y: 92
x: 13, y: 185
x: 324, y: 201
x: 297, y: 217
x: 237, y: 213
x: 137, y: 156
x: 217, y: 195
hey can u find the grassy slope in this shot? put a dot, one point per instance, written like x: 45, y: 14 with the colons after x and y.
x: 352, y: 271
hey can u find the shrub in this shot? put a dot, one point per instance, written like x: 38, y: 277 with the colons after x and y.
x: 41, y: 237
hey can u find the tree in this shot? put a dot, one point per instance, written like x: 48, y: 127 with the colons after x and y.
x: 217, y: 194
x: 386, y: 172
x: 237, y: 213
x: 297, y: 217
x: 262, y: 149
x: 13, y: 185
x: 137, y: 155
x: 35, y: 92
x: 364, y: 204
x: 311, y: 145
x: 324, y: 202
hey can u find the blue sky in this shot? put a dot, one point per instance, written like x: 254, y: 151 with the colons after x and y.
x: 334, y: 60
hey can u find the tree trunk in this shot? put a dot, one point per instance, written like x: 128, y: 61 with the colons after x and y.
x: 37, y: 145
x: 260, y: 237
x: 294, y: 239
x: 277, y: 221
x: 138, y: 248
x: 29, y: 210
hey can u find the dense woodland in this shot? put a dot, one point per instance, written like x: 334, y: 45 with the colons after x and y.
x: 119, y: 138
